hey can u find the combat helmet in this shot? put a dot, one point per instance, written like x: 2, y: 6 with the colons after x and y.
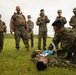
x: 74, y: 9
x: 59, y: 11
x: 29, y: 16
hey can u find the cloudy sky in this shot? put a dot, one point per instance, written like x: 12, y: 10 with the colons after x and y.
x: 32, y: 7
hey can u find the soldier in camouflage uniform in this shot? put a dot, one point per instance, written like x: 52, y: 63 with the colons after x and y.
x: 2, y: 30
x: 60, y: 17
x: 72, y: 21
x: 64, y: 21
x: 67, y: 37
x: 42, y: 62
x: 42, y: 23
x: 18, y: 25
x: 30, y: 30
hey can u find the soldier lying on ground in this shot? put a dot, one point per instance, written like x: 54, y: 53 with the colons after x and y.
x: 43, y: 61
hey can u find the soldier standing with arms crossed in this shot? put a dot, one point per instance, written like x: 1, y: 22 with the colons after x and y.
x: 30, y: 29
x: 42, y: 23
x: 2, y: 30
x: 60, y: 17
x: 18, y: 25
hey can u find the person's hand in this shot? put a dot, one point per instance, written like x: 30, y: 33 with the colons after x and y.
x: 11, y: 30
x: 27, y: 30
x: 38, y: 51
x: 55, y: 50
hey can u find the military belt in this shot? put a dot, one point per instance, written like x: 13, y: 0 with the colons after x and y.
x: 19, y: 26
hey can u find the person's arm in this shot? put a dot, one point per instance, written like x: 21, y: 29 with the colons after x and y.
x: 5, y: 27
x: 47, y: 20
x: 64, y: 20
x: 56, y: 39
x: 32, y: 25
x: 11, y: 27
x: 26, y: 24
x: 11, y: 23
x: 68, y: 41
x: 39, y: 22
x: 71, y: 22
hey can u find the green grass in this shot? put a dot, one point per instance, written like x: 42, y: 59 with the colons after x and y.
x: 19, y: 63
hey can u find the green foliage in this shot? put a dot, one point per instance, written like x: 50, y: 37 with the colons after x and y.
x: 19, y: 63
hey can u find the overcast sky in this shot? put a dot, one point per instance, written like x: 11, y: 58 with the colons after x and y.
x: 33, y: 7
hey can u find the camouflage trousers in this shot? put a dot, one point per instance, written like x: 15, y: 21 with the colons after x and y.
x: 1, y: 40
x: 21, y: 34
x: 31, y: 38
x: 42, y: 35
x: 71, y: 54
x: 59, y: 62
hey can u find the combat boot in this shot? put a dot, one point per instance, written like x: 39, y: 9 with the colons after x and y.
x: 1, y: 49
x: 44, y: 48
x: 39, y: 48
x: 31, y: 45
x: 17, y: 49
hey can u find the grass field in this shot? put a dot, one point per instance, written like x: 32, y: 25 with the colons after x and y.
x: 19, y: 63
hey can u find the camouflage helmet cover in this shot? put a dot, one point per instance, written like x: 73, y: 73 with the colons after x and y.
x: 41, y: 10
x: 59, y: 11
x: 29, y: 16
x: 74, y: 9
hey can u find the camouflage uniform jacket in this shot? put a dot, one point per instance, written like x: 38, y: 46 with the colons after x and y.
x: 30, y: 25
x: 63, y: 19
x: 42, y: 23
x: 67, y: 39
x: 72, y: 22
x: 18, y: 20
